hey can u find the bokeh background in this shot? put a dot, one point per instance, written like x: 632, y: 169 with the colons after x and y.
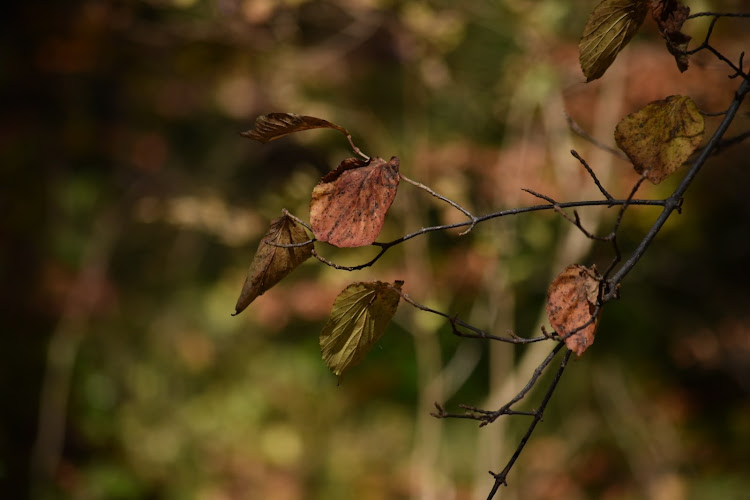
x: 131, y: 208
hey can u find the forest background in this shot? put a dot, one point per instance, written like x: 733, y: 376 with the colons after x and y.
x: 132, y: 207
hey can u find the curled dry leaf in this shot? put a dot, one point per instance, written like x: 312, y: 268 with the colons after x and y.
x: 358, y: 320
x: 571, y: 303
x: 609, y: 28
x: 670, y: 15
x: 274, y: 125
x: 661, y: 136
x: 349, y: 204
x: 272, y: 263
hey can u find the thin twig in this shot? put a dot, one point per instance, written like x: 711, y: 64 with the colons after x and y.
x: 501, y: 477
x: 707, y: 46
x: 440, y: 197
x: 477, y: 333
x: 591, y: 173
x: 355, y: 148
x: 719, y: 14
x: 578, y: 130
x: 575, y: 220
x: 717, y: 113
x: 603, y: 291
x: 296, y: 219
x: 348, y: 268
x: 555, y: 205
x: 289, y: 245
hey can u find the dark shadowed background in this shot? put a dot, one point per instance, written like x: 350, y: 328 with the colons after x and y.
x: 131, y: 208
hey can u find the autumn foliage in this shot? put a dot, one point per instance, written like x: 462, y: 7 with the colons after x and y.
x: 348, y: 207
x: 659, y: 138
x: 350, y: 204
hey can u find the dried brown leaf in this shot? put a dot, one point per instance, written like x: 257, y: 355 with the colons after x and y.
x: 571, y: 303
x: 661, y: 136
x: 274, y: 125
x: 670, y: 15
x: 609, y: 28
x: 358, y: 320
x: 272, y: 263
x: 349, y: 204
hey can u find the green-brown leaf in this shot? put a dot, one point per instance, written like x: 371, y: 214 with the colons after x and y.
x: 274, y: 125
x: 661, y: 136
x: 272, y: 263
x: 571, y: 303
x: 358, y: 320
x: 609, y: 28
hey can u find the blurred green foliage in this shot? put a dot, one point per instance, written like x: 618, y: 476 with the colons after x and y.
x: 131, y: 208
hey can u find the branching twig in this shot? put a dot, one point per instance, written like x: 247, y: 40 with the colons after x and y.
x: 477, y: 333
x: 488, y: 416
x: 384, y: 246
x: 501, y: 477
x: 613, y: 238
x: 674, y: 201
x: 707, y: 46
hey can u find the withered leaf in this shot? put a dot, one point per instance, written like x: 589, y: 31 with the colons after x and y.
x: 571, y: 303
x: 349, y: 204
x: 272, y: 263
x: 609, y: 28
x: 274, y: 125
x: 661, y: 136
x: 670, y: 15
x: 358, y: 320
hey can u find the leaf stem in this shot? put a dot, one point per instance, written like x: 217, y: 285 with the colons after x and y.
x: 472, y: 219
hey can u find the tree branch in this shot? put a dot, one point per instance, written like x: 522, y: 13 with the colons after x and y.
x: 674, y: 201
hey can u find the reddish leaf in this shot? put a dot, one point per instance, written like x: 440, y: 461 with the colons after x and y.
x: 571, y: 302
x: 349, y: 204
x: 272, y: 263
x: 274, y: 125
x: 670, y: 15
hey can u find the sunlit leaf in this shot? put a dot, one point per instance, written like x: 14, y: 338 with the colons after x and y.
x: 571, y: 303
x: 274, y: 125
x: 358, y: 320
x: 661, y: 136
x: 670, y: 15
x: 608, y: 29
x: 349, y: 204
x: 272, y: 263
